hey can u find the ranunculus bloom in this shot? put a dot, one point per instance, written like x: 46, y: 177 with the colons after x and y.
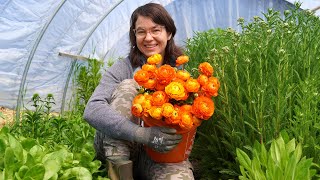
x: 202, y: 79
x: 183, y: 74
x: 174, y: 118
x: 210, y: 89
x: 137, y: 110
x: 159, y: 98
x: 165, y: 74
x: 192, y: 85
x: 138, y: 99
x: 215, y: 81
x: 155, y: 112
x: 181, y: 60
x: 203, y: 107
x: 167, y: 110
x: 186, y: 120
x: 160, y: 87
x: 206, y: 68
x: 175, y: 90
x: 154, y: 59
x: 141, y: 76
x: 150, y: 84
x: 151, y: 68
x: 186, y: 108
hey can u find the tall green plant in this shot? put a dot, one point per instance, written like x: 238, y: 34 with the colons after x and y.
x: 263, y: 72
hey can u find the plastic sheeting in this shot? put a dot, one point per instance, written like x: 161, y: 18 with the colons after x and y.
x: 32, y: 33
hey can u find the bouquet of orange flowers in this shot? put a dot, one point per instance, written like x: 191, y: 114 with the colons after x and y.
x: 171, y: 96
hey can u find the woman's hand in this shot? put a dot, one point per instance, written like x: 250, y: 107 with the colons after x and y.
x: 161, y: 139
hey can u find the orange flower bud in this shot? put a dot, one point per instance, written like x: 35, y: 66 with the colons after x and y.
x: 139, y: 99
x: 206, y: 68
x: 174, y: 118
x: 192, y: 85
x: 159, y: 98
x: 151, y: 69
x: 215, y: 81
x: 154, y: 59
x: 182, y: 60
x: 186, y: 108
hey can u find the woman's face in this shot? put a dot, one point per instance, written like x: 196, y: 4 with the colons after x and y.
x: 151, y: 38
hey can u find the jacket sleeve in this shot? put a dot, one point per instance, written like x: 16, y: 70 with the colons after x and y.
x: 98, y: 112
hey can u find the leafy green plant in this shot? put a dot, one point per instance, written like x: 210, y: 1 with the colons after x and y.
x: 283, y: 161
x: 25, y: 158
x: 269, y: 74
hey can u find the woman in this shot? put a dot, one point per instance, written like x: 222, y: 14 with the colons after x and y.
x: 108, y: 110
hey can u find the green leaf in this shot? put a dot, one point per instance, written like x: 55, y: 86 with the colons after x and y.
x: 290, y: 146
x: 10, y: 163
x: 37, y: 153
x: 298, y: 152
x: 3, y: 146
x: 79, y: 173
x: 52, y: 167
x: 16, y: 146
x: 22, y: 171
x: 28, y: 143
x: 244, y: 159
x: 35, y: 172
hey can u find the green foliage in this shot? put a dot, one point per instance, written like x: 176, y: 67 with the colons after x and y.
x: 87, y: 78
x: 283, y: 161
x: 26, y: 159
x: 269, y: 76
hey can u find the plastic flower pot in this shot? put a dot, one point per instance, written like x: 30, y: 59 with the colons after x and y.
x: 181, y: 152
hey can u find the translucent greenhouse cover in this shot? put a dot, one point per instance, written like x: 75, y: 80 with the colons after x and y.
x: 33, y: 33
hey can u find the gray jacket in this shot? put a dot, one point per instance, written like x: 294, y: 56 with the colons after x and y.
x: 99, y: 114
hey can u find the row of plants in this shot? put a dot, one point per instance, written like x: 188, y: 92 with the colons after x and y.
x: 46, y: 145
x: 270, y: 83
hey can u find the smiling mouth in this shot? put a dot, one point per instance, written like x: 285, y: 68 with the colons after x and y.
x: 150, y: 46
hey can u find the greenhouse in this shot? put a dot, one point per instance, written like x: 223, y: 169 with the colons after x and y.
x: 261, y: 59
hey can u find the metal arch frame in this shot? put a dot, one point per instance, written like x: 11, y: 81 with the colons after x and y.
x: 73, y: 63
x: 31, y: 55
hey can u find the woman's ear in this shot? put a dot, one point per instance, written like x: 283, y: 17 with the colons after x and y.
x: 169, y: 36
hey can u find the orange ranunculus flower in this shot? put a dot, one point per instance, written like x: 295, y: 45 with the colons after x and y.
x: 196, y: 121
x: 151, y: 68
x: 159, y: 98
x: 167, y: 110
x: 156, y: 112
x: 146, y: 105
x: 181, y: 60
x: 183, y: 74
x: 206, y: 68
x: 210, y: 89
x: 215, y: 81
x: 165, y: 74
x: 138, y: 99
x: 154, y: 59
x: 186, y: 108
x: 175, y: 90
x: 203, y: 107
x: 141, y: 76
x: 160, y: 87
x: 150, y: 84
x: 192, y: 85
x: 186, y: 120
x: 202, y: 79
x: 137, y: 110
x: 174, y: 118
x: 175, y: 79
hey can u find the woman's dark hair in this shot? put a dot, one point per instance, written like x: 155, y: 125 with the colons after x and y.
x: 159, y: 15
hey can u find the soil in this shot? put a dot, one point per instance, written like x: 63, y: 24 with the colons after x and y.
x: 6, y: 116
